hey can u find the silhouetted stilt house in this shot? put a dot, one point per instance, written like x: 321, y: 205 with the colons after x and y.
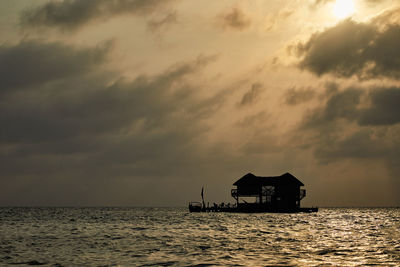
x: 276, y: 193
x: 261, y: 194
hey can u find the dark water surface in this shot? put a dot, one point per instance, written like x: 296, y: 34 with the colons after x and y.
x: 174, y: 237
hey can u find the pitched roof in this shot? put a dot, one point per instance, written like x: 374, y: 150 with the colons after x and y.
x: 251, y: 179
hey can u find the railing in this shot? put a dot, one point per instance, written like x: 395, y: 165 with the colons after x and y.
x: 302, y: 193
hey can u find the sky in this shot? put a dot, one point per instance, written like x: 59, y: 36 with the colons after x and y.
x: 143, y: 102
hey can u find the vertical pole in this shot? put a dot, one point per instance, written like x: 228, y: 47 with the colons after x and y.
x: 202, y: 197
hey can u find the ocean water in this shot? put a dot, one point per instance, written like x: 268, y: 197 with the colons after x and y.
x: 175, y: 237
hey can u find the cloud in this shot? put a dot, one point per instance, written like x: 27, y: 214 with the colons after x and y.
x: 97, y: 124
x: 274, y: 20
x: 340, y: 105
x: 252, y: 95
x: 295, y: 96
x: 32, y: 62
x: 263, y: 144
x: 362, y: 144
x: 352, y: 48
x: 366, y: 145
x: 73, y: 14
x: 356, y: 123
x: 157, y: 24
x: 318, y: 2
x: 387, y: 17
x: 234, y: 19
x: 384, y: 108
x: 323, y: 2
x: 91, y: 105
x: 374, y: 107
x: 89, y: 134
x: 355, y: 126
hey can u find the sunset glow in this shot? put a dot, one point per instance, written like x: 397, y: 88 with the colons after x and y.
x: 343, y: 8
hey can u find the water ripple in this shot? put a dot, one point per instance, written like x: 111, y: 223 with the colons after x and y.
x: 174, y: 237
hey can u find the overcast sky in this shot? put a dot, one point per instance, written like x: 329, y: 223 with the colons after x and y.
x: 143, y: 102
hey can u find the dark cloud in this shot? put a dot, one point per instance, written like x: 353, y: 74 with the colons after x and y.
x: 362, y: 144
x: 61, y: 102
x: 356, y: 125
x: 252, y: 95
x: 234, y: 19
x: 340, y: 105
x: 91, y: 105
x: 295, y: 96
x: 93, y: 131
x: 73, y: 14
x: 337, y: 49
x: 352, y: 48
x: 378, y: 106
x: 384, y: 108
x: 32, y: 62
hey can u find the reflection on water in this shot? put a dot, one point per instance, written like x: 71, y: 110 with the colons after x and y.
x: 174, y: 237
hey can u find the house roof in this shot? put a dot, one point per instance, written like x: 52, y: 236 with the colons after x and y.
x: 251, y: 179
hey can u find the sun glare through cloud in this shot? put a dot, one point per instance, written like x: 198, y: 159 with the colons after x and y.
x: 343, y: 8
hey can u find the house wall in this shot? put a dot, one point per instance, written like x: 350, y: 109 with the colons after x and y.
x: 289, y: 196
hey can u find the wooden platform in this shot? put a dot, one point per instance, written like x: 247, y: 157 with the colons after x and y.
x: 255, y: 209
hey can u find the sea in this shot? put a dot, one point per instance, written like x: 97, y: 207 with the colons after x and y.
x: 175, y: 237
